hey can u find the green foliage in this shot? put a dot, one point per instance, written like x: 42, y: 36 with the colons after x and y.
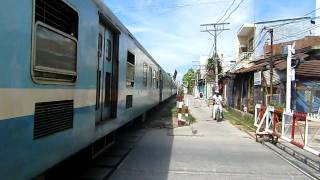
x: 236, y: 118
x: 180, y: 92
x: 276, y: 104
x: 172, y: 112
x: 189, y: 79
x: 210, y: 76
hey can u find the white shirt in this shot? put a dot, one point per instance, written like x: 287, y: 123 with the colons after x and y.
x: 217, y: 99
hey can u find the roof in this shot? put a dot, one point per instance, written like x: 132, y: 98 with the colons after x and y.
x: 309, y: 68
x: 245, y: 29
x: 306, y: 68
x: 252, y: 68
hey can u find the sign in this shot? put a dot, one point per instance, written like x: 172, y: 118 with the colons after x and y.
x: 257, y: 78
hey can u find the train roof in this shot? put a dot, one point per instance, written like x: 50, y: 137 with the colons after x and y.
x: 121, y: 27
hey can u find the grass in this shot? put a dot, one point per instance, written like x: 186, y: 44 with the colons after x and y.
x: 171, y: 111
x: 190, y: 118
x: 237, y: 118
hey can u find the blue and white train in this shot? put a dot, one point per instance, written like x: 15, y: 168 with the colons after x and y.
x: 70, y: 75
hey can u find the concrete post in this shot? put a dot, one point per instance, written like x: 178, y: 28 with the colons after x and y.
x: 289, y: 79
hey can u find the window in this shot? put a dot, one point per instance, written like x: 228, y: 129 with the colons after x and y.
x: 56, y: 31
x: 158, y: 77
x: 100, y: 45
x: 250, y: 46
x: 145, y: 75
x: 154, y: 79
x: 150, y: 80
x: 129, y: 101
x: 130, y: 69
x: 108, y: 50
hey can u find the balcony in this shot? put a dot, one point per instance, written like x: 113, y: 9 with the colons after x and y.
x: 245, y: 56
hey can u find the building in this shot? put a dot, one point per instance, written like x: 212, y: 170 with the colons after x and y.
x: 252, y: 60
x: 251, y: 85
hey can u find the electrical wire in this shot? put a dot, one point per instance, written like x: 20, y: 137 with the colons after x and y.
x: 234, y: 10
x: 297, y: 33
x: 225, y: 13
x: 311, y: 12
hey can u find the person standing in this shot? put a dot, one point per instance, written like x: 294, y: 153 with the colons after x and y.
x: 217, y: 104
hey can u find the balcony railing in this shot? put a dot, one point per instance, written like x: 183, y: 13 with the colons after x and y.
x: 245, y: 56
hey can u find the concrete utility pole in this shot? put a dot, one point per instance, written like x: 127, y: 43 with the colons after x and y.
x: 289, y: 77
x: 217, y: 27
x: 271, y: 63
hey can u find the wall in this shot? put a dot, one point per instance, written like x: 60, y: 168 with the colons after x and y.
x: 285, y: 30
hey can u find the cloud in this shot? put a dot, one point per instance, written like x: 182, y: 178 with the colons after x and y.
x: 170, y: 29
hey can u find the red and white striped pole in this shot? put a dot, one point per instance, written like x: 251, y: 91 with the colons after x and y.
x: 179, y: 110
x: 186, y: 111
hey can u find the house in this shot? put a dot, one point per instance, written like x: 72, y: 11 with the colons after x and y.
x: 252, y: 55
x: 252, y: 84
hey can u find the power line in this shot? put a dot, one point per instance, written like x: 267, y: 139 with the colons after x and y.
x: 311, y: 12
x: 297, y: 33
x: 229, y: 7
x: 227, y: 10
x: 291, y: 22
x: 260, y: 41
x: 211, y: 49
x: 234, y: 10
x: 217, y: 27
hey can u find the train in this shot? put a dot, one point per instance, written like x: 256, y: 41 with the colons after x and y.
x: 71, y: 74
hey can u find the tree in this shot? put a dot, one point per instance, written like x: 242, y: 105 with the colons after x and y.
x: 210, y: 76
x: 189, y: 79
x: 175, y: 75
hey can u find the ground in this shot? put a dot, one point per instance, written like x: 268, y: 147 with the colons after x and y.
x: 204, y: 150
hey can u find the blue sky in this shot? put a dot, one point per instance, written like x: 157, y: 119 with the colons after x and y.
x: 170, y: 29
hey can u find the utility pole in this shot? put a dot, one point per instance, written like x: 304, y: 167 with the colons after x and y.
x: 271, y: 63
x: 217, y: 27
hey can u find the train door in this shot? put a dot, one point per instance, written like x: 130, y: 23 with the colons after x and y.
x: 160, y: 86
x: 104, y: 74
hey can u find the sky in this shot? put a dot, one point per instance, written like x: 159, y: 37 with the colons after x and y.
x: 170, y: 29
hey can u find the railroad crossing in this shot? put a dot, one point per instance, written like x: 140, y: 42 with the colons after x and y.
x: 215, y: 151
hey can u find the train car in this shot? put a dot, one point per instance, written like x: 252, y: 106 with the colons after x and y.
x: 70, y: 75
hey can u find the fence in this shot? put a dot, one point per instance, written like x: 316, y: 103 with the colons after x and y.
x: 299, y: 128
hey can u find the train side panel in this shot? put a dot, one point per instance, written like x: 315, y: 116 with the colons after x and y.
x: 19, y: 93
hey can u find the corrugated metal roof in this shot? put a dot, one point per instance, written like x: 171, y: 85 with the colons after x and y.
x: 310, y: 68
x: 281, y: 65
x: 275, y: 77
x: 307, y: 68
x: 252, y: 68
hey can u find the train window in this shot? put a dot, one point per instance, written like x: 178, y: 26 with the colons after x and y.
x: 57, y: 14
x: 158, y: 74
x: 129, y: 101
x: 130, y: 69
x: 100, y: 45
x: 150, y: 72
x: 154, y: 79
x: 108, y: 51
x: 145, y: 75
x: 56, y: 31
